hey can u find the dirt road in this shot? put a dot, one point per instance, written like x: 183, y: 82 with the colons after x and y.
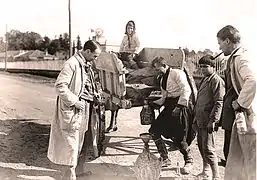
x: 26, y: 109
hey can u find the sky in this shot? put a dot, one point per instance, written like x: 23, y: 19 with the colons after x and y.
x: 163, y: 23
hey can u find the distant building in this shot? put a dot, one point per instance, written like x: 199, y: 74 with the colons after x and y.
x: 21, y: 55
x: 40, y: 55
x: 10, y: 55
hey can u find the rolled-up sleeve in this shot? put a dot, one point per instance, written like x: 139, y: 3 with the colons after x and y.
x: 184, y: 87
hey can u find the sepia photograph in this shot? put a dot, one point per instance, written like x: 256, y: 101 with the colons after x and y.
x: 128, y: 90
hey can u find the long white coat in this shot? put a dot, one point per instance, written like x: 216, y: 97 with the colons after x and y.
x: 241, y: 162
x: 68, y: 125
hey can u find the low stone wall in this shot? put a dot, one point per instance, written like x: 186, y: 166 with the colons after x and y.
x: 41, y: 68
x: 44, y: 68
x: 40, y: 65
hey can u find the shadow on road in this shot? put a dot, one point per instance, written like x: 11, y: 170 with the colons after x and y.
x: 110, y: 171
x: 23, y: 141
x: 125, y: 145
x: 23, y: 153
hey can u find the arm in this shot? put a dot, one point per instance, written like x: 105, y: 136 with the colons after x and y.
x: 217, y: 86
x: 162, y: 99
x: 62, y: 85
x: 185, y: 93
x: 137, y: 44
x: 122, y: 45
x: 248, y: 91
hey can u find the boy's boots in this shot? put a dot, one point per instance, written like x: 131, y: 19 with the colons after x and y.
x: 206, y: 173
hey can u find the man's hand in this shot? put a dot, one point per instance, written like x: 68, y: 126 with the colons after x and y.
x: 79, y: 105
x: 195, y: 127
x: 176, y: 111
x: 210, y: 127
x: 159, y: 101
x: 236, y: 106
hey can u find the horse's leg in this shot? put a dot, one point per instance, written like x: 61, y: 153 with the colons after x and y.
x: 111, y: 122
x: 115, y: 128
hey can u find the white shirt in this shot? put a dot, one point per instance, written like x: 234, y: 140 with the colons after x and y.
x: 177, y: 86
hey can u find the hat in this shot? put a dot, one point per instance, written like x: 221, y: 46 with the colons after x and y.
x: 207, y: 59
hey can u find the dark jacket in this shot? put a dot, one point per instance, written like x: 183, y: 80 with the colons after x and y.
x: 209, y: 100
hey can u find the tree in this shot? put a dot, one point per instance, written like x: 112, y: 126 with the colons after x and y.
x: 44, y: 46
x: 15, y: 40
x: 79, y: 46
x: 73, y: 48
x: 26, y: 41
x: 54, y: 46
x: 64, y: 42
x: 31, y: 40
x: 208, y: 51
x: 2, y: 45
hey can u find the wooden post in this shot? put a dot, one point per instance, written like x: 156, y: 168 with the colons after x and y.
x: 6, y: 49
x: 70, y: 43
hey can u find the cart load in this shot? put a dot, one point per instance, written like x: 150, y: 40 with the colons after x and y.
x: 129, y: 87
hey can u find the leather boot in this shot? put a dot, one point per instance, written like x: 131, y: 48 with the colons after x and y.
x: 163, y: 152
x: 188, y: 158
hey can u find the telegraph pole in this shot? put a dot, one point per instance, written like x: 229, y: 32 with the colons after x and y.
x: 6, y: 48
x: 70, y: 51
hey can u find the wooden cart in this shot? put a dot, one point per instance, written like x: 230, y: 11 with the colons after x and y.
x: 117, y: 85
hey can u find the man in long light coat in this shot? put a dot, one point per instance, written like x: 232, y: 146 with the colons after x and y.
x: 241, y: 161
x: 75, y: 87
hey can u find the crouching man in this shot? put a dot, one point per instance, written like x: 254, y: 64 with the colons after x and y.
x: 175, y: 121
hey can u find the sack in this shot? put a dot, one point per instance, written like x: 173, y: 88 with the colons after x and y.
x: 147, y: 115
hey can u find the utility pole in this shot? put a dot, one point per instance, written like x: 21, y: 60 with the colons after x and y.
x: 70, y: 43
x: 6, y: 48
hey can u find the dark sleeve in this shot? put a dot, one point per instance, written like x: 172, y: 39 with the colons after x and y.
x: 217, y: 86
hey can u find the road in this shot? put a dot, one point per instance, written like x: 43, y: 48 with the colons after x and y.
x: 27, y: 105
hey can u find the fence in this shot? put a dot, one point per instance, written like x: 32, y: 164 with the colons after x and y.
x: 194, y: 66
x: 56, y: 65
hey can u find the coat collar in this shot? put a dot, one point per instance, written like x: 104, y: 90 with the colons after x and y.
x: 205, y: 81
x: 238, y: 51
x: 83, y: 62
